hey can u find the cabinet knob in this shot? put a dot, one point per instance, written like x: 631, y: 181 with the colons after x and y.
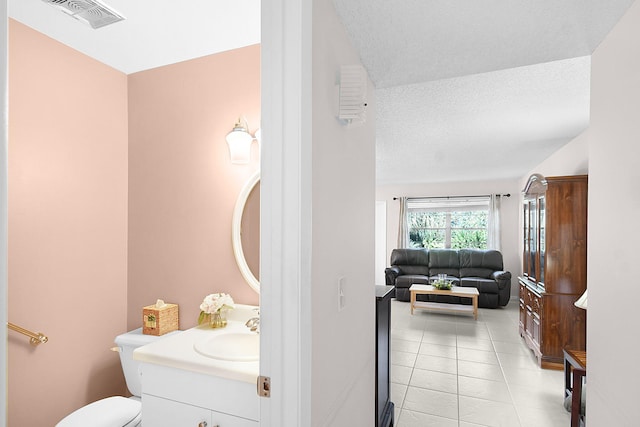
x: 202, y: 424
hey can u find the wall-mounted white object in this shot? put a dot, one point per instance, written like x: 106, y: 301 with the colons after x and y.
x: 353, y: 94
x: 239, y: 141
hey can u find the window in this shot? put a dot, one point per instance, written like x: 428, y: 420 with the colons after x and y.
x: 448, y: 222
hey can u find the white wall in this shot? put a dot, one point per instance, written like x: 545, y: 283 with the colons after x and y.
x: 608, y: 151
x: 614, y: 203
x: 343, y: 199
x: 572, y: 159
x: 509, y: 211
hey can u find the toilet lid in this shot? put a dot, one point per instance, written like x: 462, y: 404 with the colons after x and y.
x: 116, y: 411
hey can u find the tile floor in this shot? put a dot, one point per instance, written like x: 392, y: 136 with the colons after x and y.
x: 451, y: 370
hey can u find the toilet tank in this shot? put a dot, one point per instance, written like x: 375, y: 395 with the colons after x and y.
x: 128, y: 342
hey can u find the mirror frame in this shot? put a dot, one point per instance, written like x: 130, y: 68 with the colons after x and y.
x: 236, y: 232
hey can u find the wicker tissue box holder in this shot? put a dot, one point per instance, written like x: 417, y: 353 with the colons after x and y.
x: 160, y: 318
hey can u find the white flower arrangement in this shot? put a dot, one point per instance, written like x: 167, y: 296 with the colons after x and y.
x: 213, y: 303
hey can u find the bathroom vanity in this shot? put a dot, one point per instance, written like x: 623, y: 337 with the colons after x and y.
x: 203, y: 377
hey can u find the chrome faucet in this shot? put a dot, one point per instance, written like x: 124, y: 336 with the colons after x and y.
x: 253, y: 324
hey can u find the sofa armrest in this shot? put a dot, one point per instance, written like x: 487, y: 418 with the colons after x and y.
x: 390, y: 275
x: 503, y: 278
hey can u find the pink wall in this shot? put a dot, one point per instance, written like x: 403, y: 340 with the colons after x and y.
x: 182, y: 187
x: 121, y: 192
x: 67, y: 226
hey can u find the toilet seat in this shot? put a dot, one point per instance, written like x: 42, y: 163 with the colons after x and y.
x: 116, y: 411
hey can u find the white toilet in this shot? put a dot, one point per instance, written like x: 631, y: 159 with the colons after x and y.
x: 117, y: 411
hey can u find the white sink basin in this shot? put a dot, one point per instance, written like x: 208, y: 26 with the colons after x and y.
x: 234, y: 346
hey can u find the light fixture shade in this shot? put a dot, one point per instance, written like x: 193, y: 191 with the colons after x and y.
x: 239, y: 146
x: 239, y: 141
x: 582, y: 301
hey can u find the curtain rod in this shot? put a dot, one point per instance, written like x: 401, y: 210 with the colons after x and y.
x: 456, y: 197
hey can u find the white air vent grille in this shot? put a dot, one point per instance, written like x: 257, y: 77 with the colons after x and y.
x: 353, y: 94
x: 90, y: 12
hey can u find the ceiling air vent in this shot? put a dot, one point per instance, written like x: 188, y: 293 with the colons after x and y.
x: 90, y: 12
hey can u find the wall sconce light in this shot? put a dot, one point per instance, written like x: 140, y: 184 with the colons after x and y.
x: 239, y: 141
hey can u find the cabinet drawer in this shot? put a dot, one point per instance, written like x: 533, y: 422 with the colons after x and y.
x: 159, y: 412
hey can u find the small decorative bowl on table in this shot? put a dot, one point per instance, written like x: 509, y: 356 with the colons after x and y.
x: 443, y: 285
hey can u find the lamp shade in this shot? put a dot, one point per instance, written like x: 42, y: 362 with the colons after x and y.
x: 582, y: 301
x: 239, y: 141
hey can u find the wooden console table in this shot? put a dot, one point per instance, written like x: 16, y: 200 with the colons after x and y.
x: 575, y: 368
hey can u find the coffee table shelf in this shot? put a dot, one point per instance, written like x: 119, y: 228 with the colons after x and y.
x: 457, y: 291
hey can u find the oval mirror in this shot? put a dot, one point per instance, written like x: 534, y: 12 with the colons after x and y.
x: 245, y: 231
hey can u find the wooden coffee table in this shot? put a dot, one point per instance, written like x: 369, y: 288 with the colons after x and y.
x: 456, y: 291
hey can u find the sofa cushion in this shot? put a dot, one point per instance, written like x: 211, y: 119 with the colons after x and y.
x: 444, y: 261
x: 411, y: 261
x: 412, y: 256
x: 407, y: 280
x: 479, y: 263
x: 484, y: 286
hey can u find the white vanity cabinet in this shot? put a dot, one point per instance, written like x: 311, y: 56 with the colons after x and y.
x: 174, y: 397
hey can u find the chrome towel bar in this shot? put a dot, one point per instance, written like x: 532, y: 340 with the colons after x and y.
x: 36, y: 338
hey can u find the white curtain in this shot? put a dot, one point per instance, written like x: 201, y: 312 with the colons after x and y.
x: 403, y: 229
x: 493, y: 228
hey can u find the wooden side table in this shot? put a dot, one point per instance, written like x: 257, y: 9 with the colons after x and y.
x: 575, y: 368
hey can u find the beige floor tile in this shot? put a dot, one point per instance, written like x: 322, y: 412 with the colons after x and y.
x: 484, y: 389
x: 511, y: 347
x: 406, y: 334
x: 431, y: 402
x: 401, y: 358
x: 474, y: 343
x: 400, y: 374
x: 488, y: 413
x: 480, y: 370
x: 397, y: 393
x: 480, y: 356
x: 436, y: 363
x: 419, y: 419
x: 519, y: 361
x: 431, y: 349
x: 434, y: 380
x: 550, y: 417
x: 406, y: 346
x: 441, y: 338
x: 497, y: 379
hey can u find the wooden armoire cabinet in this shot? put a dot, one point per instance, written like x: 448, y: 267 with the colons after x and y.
x: 554, y: 266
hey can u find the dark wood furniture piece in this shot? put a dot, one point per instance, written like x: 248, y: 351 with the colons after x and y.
x: 575, y: 368
x: 384, y: 405
x: 554, y: 266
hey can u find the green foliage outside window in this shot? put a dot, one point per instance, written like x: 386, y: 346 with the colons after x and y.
x: 456, y: 230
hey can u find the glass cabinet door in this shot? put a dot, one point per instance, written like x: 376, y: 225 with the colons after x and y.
x: 542, y: 221
x: 533, y: 250
x: 525, y: 243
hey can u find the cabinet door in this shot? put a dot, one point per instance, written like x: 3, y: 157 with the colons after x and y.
x: 523, y: 309
x: 224, y: 420
x: 535, y: 321
x: 158, y: 412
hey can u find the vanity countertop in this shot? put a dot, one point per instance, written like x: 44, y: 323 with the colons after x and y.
x: 177, y: 351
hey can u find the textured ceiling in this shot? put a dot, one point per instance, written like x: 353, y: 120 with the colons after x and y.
x: 496, y: 125
x: 466, y: 89
x: 476, y: 89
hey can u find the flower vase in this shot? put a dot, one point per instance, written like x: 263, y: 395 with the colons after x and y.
x: 218, y: 319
